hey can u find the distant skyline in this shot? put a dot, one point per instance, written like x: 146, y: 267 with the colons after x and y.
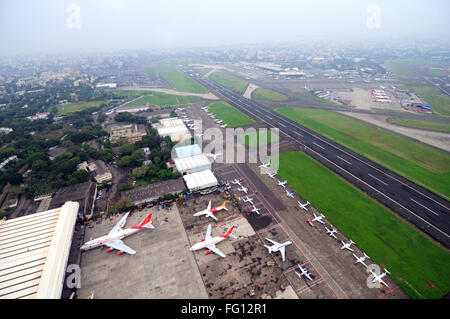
x: 49, y: 26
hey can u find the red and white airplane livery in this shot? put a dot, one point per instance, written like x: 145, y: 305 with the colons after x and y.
x: 209, y: 211
x: 112, y: 239
x: 210, y: 242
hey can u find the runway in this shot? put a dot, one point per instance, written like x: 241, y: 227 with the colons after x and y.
x: 420, y: 207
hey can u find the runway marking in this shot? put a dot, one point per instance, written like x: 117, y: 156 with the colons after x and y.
x: 282, y: 124
x: 387, y: 292
x: 298, y: 133
x: 269, y: 117
x: 318, y: 145
x: 344, y: 160
x: 423, y: 206
x: 378, y: 179
x: 301, y: 290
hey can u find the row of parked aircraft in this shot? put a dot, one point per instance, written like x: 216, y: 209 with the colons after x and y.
x: 213, y: 116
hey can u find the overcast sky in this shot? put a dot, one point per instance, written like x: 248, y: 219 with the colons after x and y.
x: 52, y: 26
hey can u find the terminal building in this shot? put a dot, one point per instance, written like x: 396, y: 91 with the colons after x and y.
x: 34, y: 253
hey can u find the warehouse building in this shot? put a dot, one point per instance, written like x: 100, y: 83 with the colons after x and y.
x: 35, y: 251
x: 174, y: 128
x: 151, y: 192
x: 200, y: 180
x: 192, y: 164
x: 188, y: 150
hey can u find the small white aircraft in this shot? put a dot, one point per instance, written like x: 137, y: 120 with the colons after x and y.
x: 199, y: 135
x: 243, y: 189
x: 303, y: 206
x: 290, y: 194
x: 223, y: 126
x: 209, y: 211
x: 318, y: 218
x: 278, y: 247
x: 254, y: 209
x: 236, y: 182
x: 304, y: 272
x: 282, y: 183
x: 248, y: 200
x: 112, y: 239
x: 210, y: 242
x: 361, y: 259
x: 272, y: 175
x: 347, y: 246
x: 378, y: 278
x: 265, y: 165
x: 213, y: 156
x: 331, y: 232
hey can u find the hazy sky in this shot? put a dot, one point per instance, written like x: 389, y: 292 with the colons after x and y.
x: 46, y: 26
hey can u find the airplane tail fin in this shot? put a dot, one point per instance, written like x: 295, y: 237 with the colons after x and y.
x: 223, y: 205
x: 145, y: 223
x: 269, y: 248
x: 228, y: 232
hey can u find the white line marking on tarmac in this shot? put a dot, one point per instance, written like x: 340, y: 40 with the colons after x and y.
x: 269, y: 117
x: 318, y: 145
x: 282, y: 124
x: 344, y: 160
x: 378, y: 179
x: 423, y: 206
x: 298, y: 133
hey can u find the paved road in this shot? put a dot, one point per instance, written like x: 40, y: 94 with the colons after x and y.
x: 424, y: 209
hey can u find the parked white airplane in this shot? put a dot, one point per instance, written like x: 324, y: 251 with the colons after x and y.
x: 254, y: 209
x: 236, y: 182
x: 318, y: 218
x: 248, y: 200
x: 209, y: 211
x: 223, y: 126
x: 199, y: 135
x: 112, y: 239
x: 213, y: 156
x: 303, y: 206
x: 280, y: 183
x: 272, y: 175
x: 331, y: 232
x: 243, y: 189
x: 304, y: 272
x: 265, y: 165
x: 361, y: 259
x: 210, y: 242
x: 347, y: 246
x: 278, y: 247
x: 290, y: 194
x: 378, y: 278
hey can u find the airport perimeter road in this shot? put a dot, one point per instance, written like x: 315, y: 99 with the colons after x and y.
x: 422, y: 208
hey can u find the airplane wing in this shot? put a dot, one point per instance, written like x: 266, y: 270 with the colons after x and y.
x: 119, y: 225
x: 208, y: 232
x: 119, y: 245
x: 272, y: 241
x: 209, y: 206
x: 216, y: 250
x: 384, y: 283
x: 309, y: 277
x: 282, y: 250
x: 211, y: 215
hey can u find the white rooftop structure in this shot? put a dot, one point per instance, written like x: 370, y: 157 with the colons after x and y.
x: 34, y: 250
x: 188, y: 150
x: 192, y: 164
x: 170, y: 122
x: 200, y: 180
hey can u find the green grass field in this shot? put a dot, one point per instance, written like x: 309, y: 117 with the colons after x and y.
x: 77, y: 107
x: 249, y: 139
x: 318, y: 99
x: 175, y: 78
x: 229, y: 81
x: 412, y: 259
x: 127, y: 93
x: 230, y: 115
x: 264, y: 94
x: 161, y: 99
x: 422, y: 124
x: 421, y: 164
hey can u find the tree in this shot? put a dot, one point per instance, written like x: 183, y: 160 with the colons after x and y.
x: 124, y: 161
x: 127, y: 149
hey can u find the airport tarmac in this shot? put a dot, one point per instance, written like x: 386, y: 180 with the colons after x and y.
x: 163, y: 266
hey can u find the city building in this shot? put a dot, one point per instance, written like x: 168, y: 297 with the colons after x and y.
x: 33, y: 265
x: 5, y: 130
x: 151, y: 192
x: 83, y: 193
x: 131, y: 132
x: 7, y: 161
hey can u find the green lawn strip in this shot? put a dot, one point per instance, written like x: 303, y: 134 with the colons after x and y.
x: 229, y: 81
x: 156, y: 98
x: 265, y: 94
x: 422, y: 124
x: 249, y: 139
x: 420, y: 163
x: 412, y: 258
x: 230, y: 115
x: 175, y: 78
x: 77, y: 107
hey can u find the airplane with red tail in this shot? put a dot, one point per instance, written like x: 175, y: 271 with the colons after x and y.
x: 210, y: 242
